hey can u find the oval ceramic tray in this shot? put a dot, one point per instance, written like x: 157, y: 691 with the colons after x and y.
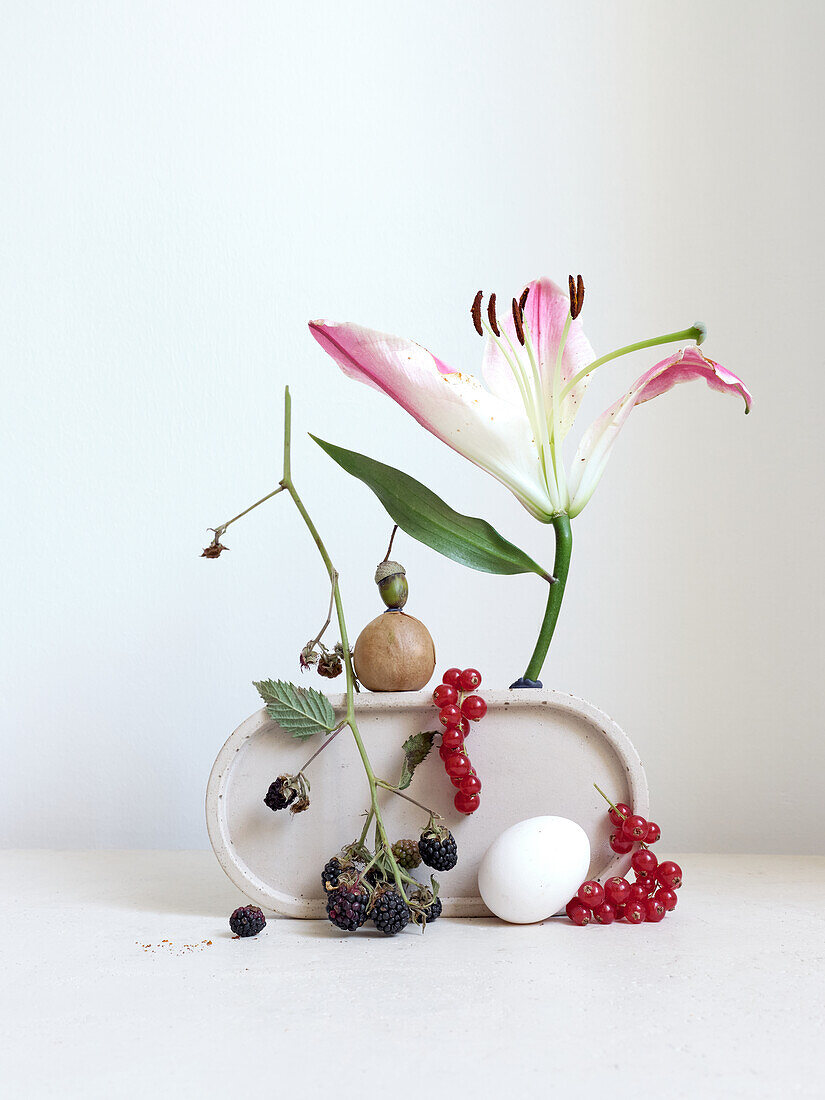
x: 537, y: 752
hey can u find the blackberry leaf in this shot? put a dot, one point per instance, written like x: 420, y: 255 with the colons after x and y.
x: 301, y: 711
x: 416, y: 749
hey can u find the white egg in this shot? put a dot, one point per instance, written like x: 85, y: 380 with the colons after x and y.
x: 534, y: 868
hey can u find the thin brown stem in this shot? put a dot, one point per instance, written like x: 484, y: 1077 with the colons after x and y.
x: 389, y: 548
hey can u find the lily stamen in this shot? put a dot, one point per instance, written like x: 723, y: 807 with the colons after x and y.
x: 475, y: 312
x: 491, y: 313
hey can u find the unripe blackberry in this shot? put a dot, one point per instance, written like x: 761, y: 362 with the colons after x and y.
x: 438, y: 848
x: 247, y: 921
x: 347, y: 907
x: 406, y: 854
x: 390, y: 913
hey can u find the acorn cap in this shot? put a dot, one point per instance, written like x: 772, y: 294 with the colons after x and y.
x: 386, y: 569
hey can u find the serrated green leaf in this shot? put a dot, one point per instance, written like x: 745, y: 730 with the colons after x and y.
x: 301, y: 711
x: 423, y: 515
x: 416, y: 749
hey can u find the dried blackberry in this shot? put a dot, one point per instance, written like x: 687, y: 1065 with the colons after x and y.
x: 390, y: 913
x: 281, y: 793
x: 247, y: 921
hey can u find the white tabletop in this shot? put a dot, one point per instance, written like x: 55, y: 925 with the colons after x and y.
x: 120, y: 979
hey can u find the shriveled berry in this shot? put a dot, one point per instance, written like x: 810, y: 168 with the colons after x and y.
x: 617, y: 890
x: 653, y: 833
x: 668, y: 898
x: 444, y: 695
x: 617, y: 818
x: 578, y: 913
x: 281, y: 793
x: 591, y: 894
x: 669, y: 874
x: 604, y: 914
x: 474, y: 708
x: 634, y: 828
x: 644, y: 861
x: 470, y: 679
x: 438, y: 848
x: 452, y: 677
x: 466, y: 803
x: 247, y: 921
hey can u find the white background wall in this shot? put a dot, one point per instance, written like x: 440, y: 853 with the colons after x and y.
x: 184, y: 185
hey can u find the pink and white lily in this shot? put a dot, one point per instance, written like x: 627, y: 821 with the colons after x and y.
x: 536, y: 367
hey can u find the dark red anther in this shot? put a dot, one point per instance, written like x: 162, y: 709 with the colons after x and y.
x: 522, y: 302
x: 491, y: 314
x: 476, y: 313
x: 576, y: 295
x: 517, y: 322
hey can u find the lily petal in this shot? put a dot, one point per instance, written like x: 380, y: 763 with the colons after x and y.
x: 594, y: 449
x: 545, y: 313
x: 455, y: 407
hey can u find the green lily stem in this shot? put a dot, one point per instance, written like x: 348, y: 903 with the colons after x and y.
x: 695, y: 332
x: 375, y: 812
x: 561, y: 567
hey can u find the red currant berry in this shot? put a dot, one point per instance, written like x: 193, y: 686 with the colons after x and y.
x: 444, y: 696
x: 474, y: 708
x: 644, y: 861
x: 470, y: 679
x: 449, y: 716
x: 464, y: 726
x: 617, y: 818
x: 620, y: 911
x: 654, y: 911
x: 471, y: 784
x: 633, y: 827
x: 578, y: 913
x: 591, y: 894
x: 452, y: 678
x: 668, y: 898
x: 669, y: 874
x: 458, y: 765
x: 619, y: 844
x: 466, y: 803
x: 653, y: 833
x: 457, y: 780
x: 639, y: 891
x: 452, y: 738
x: 445, y: 753
x: 604, y: 914
x: 634, y: 912
x: 617, y: 890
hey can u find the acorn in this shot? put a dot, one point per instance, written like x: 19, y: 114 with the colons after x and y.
x: 394, y: 652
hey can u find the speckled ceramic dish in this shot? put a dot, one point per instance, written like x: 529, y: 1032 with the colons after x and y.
x: 536, y: 752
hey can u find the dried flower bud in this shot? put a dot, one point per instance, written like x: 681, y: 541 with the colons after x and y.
x: 330, y: 665
x: 308, y: 656
x: 299, y: 806
x: 214, y: 550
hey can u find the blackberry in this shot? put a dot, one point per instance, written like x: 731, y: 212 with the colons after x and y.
x: 347, y: 907
x: 331, y: 873
x: 390, y: 913
x: 438, y: 849
x: 247, y: 921
x: 434, y: 911
x: 406, y: 854
x: 280, y: 793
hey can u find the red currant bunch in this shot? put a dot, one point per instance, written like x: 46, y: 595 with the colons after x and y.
x: 457, y: 707
x: 647, y: 900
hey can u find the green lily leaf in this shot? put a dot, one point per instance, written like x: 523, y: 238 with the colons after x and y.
x: 426, y: 517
